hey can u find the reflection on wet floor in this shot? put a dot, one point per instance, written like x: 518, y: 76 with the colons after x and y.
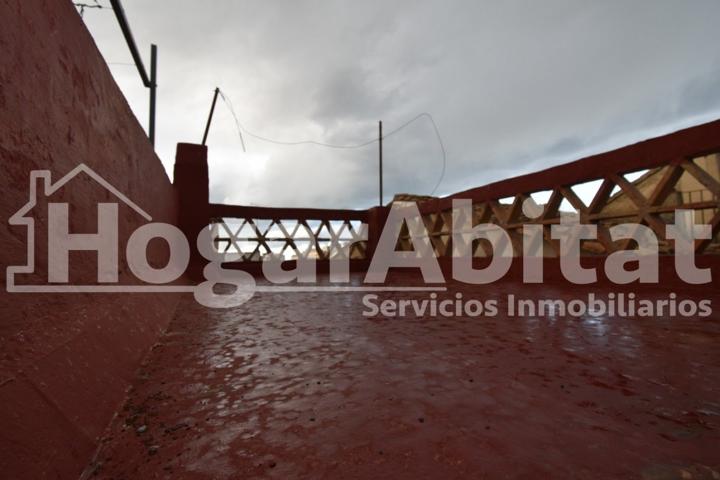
x: 303, y: 386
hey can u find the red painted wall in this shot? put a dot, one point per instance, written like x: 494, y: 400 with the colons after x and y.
x: 66, y: 359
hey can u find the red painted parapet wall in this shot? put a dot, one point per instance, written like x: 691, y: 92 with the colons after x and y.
x: 66, y: 359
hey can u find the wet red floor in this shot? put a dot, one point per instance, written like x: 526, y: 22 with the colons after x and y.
x: 303, y: 386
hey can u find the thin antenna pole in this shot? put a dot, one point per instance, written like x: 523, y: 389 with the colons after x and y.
x: 153, y: 92
x: 127, y: 33
x: 148, y: 81
x: 212, y: 110
x: 380, y: 153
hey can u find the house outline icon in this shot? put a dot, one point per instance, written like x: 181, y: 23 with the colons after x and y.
x: 19, y: 218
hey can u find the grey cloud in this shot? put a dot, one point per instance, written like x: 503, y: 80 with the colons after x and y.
x: 513, y: 86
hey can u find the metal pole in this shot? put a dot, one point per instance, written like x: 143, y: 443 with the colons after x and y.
x: 212, y: 109
x: 380, y: 152
x: 127, y: 33
x: 153, y: 92
x: 148, y: 81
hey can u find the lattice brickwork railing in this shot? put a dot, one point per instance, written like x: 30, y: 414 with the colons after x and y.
x: 253, y: 233
x: 621, y: 195
x: 641, y: 183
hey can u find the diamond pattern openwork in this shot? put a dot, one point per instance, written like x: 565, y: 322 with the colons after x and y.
x: 648, y: 197
x: 254, y: 238
x: 643, y: 183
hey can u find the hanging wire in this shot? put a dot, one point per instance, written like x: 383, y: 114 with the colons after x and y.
x: 241, y: 129
x: 232, y: 112
x: 444, y: 155
x: 82, y: 6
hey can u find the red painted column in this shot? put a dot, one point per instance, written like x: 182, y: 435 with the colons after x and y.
x: 377, y: 216
x: 191, y: 182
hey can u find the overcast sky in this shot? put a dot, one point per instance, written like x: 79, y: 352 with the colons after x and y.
x: 513, y: 87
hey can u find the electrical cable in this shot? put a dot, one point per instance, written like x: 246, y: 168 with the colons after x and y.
x: 241, y: 129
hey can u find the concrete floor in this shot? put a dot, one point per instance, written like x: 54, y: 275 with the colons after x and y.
x: 303, y: 386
